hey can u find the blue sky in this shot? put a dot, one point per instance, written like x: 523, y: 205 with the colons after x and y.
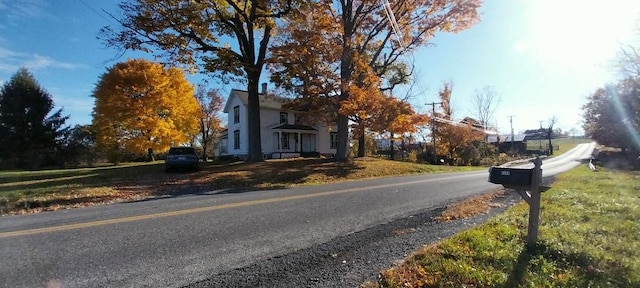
x: 543, y: 56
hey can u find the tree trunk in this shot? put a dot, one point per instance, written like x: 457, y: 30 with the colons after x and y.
x: 253, y: 118
x: 361, y: 144
x: 204, y: 153
x: 205, y: 139
x: 346, y: 70
x: 343, y: 138
x: 391, y: 150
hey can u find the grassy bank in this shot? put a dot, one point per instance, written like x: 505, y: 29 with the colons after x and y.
x: 29, y: 191
x: 589, y: 237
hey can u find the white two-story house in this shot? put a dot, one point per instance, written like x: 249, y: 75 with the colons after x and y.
x: 282, y: 133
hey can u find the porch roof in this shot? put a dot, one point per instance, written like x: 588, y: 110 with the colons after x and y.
x: 294, y: 127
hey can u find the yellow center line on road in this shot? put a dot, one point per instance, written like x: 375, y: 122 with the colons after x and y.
x: 210, y: 208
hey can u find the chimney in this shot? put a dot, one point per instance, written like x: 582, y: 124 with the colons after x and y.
x: 264, y: 89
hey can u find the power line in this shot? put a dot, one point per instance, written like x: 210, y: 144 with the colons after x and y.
x: 96, y: 11
x: 397, y: 32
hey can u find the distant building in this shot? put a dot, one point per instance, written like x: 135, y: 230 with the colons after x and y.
x: 506, y: 144
x: 536, y: 134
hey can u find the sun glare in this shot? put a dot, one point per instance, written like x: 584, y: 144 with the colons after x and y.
x: 580, y: 34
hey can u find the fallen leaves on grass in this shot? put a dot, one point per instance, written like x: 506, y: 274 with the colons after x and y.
x: 470, y: 207
x: 80, y: 198
x: 34, y: 191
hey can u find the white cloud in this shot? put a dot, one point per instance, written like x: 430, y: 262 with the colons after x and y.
x: 37, y: 62
x: 15, y: 11
x: 74, y: 104
x: 11, y: 61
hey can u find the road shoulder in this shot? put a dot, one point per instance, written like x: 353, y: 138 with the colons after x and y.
x: 349, y: 260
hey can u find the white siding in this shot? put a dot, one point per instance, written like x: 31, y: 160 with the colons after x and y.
x: 242, y: 127
x: 324, y: 139
x: 269, y: 118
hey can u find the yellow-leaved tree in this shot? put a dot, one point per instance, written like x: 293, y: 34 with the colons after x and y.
x: 140, y: 105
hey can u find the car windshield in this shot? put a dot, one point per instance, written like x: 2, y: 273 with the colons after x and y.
x: 181, y: 151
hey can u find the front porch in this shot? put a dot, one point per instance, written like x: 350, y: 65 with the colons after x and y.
x: 292, y: 141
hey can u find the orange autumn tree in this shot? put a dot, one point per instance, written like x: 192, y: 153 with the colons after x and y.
x: 398, y: 119
x: 320, y: 46
x: 371, y: 110
x: 140, y: 105
x: 452, y: 137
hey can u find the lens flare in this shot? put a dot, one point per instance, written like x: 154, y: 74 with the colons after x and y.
x: 627, y: 121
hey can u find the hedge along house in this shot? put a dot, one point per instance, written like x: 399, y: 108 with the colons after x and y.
x: 283, y: 134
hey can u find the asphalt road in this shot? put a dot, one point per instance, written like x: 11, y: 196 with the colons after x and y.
x: 174, y: 242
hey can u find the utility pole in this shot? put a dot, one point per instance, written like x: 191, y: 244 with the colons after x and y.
x: 539, y: 139
x: 512, y: 134
x: 433, y: 129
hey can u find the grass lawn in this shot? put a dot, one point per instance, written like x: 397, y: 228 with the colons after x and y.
x: 589, y: 237
x: 31, y: 191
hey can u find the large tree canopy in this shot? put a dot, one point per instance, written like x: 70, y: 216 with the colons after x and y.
x: 323, y: 47
x: 197, y: 33
x: 612, y: 115
x: 140, y: 105
x: 29, y: 131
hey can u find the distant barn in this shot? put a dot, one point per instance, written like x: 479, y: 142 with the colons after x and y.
x: 505, y: 144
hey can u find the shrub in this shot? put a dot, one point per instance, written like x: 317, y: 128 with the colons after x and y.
x: 412, y: 156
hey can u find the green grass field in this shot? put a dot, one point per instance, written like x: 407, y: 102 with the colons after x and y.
x: 589, y: 237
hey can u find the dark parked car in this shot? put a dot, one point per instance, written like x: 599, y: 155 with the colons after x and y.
x: 181, y: 158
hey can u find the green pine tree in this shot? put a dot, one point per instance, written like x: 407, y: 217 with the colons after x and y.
x: 30, y: 131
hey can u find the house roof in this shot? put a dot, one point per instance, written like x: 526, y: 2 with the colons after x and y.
x: 268, y: 101
x: 506, y: 138
x: 295, y: 127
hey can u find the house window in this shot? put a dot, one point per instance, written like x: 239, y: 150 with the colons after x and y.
x: 285, y: 140
x: 284, y: 118
x: 236, y: 139
x: 333, y: 136
x: 236, y: 114
x: 296, y: 119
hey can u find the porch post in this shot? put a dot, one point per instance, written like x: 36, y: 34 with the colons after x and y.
x: 279, y: 145
x: 298, y: 148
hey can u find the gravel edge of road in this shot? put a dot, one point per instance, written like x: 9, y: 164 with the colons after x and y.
x: 350, y: 260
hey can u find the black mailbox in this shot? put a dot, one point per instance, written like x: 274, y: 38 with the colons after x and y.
x: 510, y: 176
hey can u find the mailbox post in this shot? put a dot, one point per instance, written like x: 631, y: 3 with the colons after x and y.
x: 534, y: 204
x: 527, y: 182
